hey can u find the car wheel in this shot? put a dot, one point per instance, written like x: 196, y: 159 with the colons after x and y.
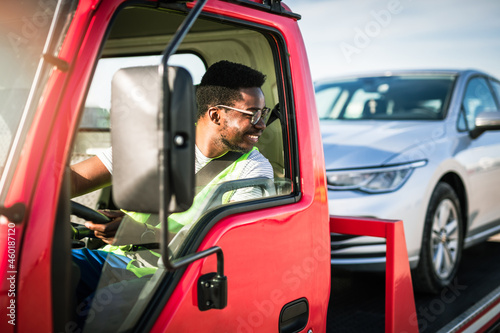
x: 442, y: 241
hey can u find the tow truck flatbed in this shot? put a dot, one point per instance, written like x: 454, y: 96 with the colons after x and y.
x: 471, y: 301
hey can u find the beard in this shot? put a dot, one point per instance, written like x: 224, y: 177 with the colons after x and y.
x: 235, y: 147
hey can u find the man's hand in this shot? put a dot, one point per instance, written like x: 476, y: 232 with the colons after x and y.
x: 107, y: 231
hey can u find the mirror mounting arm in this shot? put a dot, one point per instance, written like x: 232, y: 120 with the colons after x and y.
x: 175, y: 124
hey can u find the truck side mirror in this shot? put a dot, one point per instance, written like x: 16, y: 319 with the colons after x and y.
x: 486, y: 121
x: 140, y: 109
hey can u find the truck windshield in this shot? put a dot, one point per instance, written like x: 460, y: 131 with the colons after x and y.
x: 24, y: 30
x: 404, y: 97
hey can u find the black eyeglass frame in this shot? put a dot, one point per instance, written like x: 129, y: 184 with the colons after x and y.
x: 263, y: 113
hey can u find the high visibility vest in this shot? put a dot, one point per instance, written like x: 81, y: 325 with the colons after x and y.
x: 147, y: 263
x: 178, y: 220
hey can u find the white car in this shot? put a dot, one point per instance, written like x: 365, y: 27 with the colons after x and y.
x: 418, y: 146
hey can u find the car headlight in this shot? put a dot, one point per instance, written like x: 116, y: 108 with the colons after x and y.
x: 372, y: 180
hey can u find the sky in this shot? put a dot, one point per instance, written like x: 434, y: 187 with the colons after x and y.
x: 356, y: 36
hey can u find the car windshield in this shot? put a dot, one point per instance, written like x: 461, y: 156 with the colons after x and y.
x: 24, y: 30
x: 404, y: 97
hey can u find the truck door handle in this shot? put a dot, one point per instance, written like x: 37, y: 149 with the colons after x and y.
x: 294, y: 316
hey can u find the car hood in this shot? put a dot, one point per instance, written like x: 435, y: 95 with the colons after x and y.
x: 358, y: 143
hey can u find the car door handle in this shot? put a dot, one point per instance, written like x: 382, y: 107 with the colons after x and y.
x: 294, y: 316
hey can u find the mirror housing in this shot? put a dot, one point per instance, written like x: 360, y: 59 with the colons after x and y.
x: 486, y: 121
x: 139, y: 110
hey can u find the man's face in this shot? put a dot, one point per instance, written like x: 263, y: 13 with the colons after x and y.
x: 237, y: 132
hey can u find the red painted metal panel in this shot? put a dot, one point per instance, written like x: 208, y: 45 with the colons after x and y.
x: 400, y: 312
x: 271, y: 257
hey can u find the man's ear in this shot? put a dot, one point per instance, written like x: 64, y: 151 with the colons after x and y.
x: 214, y: 115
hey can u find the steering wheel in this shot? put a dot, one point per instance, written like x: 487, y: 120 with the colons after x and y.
x: 88, y: 214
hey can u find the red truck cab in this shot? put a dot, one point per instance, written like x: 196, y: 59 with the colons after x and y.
x: 265, y: 263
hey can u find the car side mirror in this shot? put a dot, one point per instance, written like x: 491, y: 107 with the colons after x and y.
x: 140, y: 109
x: 486, y: 121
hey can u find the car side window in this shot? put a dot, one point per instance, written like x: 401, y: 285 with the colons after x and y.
x: 496, y: 87
x: 478, y: 98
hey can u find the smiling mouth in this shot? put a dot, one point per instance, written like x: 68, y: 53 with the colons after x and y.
x: 254, y: 137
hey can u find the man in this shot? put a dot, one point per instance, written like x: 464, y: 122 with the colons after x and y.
x: 231, y: 117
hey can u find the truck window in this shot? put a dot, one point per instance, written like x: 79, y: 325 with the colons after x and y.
x: 133, y: 289
x: 25, y: 31
x: 94, y: 133
x: 97, y: 106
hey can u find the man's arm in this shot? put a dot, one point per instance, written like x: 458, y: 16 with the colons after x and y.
x: 88, y: 176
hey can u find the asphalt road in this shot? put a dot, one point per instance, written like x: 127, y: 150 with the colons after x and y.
x: 357, y: 299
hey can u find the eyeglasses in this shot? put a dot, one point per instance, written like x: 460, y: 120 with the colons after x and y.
x: 263, y: 113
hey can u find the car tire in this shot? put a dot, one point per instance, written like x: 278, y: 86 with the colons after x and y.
x: 442, y: 242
